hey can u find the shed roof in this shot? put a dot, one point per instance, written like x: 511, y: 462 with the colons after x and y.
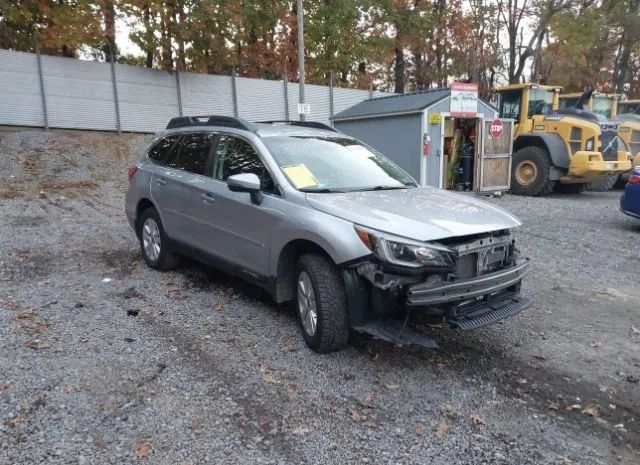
x: 412, y: 102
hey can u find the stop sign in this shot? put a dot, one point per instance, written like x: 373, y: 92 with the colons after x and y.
x: 496, y: 128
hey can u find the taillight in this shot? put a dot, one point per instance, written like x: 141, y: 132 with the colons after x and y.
x: 635, y: 176
x: 132, y: 172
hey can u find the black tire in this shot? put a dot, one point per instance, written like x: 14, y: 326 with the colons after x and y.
x: 604, y: 184
x: 541, y: 184
x: 332, y: 327
x: 571, y: 188
x: 166, y: 259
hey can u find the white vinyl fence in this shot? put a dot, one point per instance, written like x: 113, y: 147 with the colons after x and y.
x: 47, y: 91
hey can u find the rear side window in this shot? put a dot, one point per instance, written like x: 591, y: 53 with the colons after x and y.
x: 160, y: 152
x: 194, y: 153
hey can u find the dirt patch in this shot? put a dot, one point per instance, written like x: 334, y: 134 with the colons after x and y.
x: 120, y: 263
x: 55, y: 185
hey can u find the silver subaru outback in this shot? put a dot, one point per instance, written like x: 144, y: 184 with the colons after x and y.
x: 321, y: 220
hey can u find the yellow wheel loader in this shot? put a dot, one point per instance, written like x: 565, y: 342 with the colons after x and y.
x: 562, y: 149
x: 626, y: 113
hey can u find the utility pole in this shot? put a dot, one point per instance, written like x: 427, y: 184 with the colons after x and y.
x: 300, y: 57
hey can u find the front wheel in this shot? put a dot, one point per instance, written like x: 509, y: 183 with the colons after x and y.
x: 604, y: 183
x: 321, y: 303
x: 530, y: 171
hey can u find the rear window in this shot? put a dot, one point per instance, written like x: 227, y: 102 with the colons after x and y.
x: 194, y: 153
x: 160, y: 151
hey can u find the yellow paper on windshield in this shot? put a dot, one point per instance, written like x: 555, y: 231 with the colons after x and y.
x: 300, y: 176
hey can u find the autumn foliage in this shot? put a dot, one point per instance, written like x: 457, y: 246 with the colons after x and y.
x: 395, y: 45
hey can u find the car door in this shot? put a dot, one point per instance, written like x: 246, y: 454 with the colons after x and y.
x: 245, y: 228
x: 179, y: 189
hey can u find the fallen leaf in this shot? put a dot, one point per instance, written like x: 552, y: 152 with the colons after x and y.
x: 70, y: 388
x: 26, y: 314
x: 15, y: 420
x: 4, y: 386
x: 596, y: 344
x: 300, y: 430
x: 476, y: 419
x: 269, y: 378
x: 635, y: 329
x: 218, y: 307
x: 419, y: 429
x: 143, y: 449
x: 196, y: 425
x: 554, y: 406
x: 443, y: 428
x: 36, y: 344
x: 449, y: 409
x: 591, y: 410
x: 355, y: 415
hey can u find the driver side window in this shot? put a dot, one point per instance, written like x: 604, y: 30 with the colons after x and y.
x: 236, y: 156
x: 510, y: 105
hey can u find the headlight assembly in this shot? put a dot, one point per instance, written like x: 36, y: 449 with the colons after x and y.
x: 405, y: 252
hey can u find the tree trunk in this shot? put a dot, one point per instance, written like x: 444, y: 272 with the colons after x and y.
x: 399, y: 68
x: 148, y: 36
x: 109, y: 19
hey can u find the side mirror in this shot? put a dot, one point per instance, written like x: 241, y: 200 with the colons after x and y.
x: 246, y: 182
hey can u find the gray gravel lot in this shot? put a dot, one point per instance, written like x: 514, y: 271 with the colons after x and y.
x: 105, y: 361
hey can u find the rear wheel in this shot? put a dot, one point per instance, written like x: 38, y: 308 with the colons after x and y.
x: 604, y: 184
x: 154, y: 243
x: 321, y: 303
x: 530, y: 172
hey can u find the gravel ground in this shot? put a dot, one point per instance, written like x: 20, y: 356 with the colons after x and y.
x: 106, y: 361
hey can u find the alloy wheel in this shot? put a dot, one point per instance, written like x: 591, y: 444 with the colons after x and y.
x: 307, y: 305
x: 151, y: 239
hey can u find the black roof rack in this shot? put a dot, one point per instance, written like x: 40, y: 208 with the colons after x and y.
x: 304, y: 124
x: 211, y: 120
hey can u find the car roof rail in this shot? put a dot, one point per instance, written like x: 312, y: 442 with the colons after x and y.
x: 211, y: 120
x: 304, y: 124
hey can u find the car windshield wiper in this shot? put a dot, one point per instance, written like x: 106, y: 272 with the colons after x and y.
x: 322, y: 190
x: 381, y: 188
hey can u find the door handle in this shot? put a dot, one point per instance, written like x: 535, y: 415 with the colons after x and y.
x: 207, y: 198
x: 161, y: 182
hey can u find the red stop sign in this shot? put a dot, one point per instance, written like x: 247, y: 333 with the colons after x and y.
x: 496, y: 128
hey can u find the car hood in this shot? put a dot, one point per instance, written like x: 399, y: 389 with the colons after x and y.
x: 422, y: 213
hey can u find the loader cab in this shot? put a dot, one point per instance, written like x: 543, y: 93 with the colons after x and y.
x: 599, y: 103
x: 629, y: 107
x: 525, y: 102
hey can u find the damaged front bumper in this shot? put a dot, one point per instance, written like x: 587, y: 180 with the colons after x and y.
x: 456, y: 291
x: 383, y: 301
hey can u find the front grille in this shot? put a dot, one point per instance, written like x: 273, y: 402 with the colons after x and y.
x: 609, y: 145
x: 481, y: 256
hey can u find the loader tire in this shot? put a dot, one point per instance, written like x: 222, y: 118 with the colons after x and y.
x: 604, y: 184
x: 530, y: 171
x: 571, y: 188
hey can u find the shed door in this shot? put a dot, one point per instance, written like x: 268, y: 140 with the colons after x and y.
x: 434, y: 159
x: 495, y: 156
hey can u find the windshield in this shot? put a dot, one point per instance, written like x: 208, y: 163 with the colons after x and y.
x: 334, y: 164
x: 568, y: 102
x: 629, y: 107
x: 540, y: 102
x: 602, y: 106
